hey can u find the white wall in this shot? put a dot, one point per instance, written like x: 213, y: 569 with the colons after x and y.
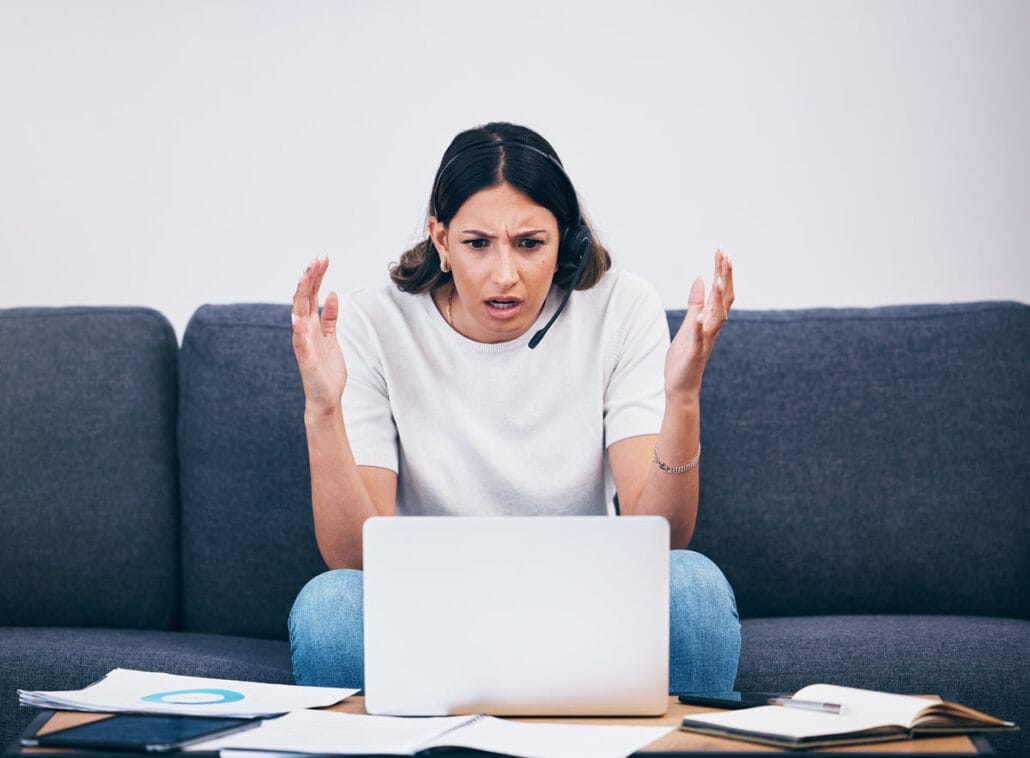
x: 844, y: 153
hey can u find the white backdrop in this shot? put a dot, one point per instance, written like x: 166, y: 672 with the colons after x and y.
x: 844, y: 153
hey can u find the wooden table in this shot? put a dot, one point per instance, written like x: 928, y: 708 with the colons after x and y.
x: 677, y: 742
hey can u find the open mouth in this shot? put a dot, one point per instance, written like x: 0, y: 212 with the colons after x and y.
x: 502, y: 305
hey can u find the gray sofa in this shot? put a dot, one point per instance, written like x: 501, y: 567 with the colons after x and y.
x: 865, y: 487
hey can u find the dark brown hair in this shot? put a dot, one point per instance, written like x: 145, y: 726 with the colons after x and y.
x: 537, y: 173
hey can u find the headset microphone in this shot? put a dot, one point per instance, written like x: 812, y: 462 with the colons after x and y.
x: 584, y: 241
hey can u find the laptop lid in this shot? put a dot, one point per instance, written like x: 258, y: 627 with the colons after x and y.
x: 516, y: 616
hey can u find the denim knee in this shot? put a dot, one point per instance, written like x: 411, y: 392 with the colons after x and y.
x: 704, y: 628
x: 326, y: 628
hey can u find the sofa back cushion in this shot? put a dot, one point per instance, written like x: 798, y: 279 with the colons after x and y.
x: 855, y: 460
x: 870, y: 460
x: 248, y: 541
x: 88, y: 480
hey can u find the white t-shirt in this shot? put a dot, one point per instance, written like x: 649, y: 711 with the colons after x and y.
x: 479, y: 429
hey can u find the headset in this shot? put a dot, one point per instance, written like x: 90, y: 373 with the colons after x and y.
x: 576, y: 239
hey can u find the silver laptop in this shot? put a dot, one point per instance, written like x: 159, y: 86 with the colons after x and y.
x: 520, y: 616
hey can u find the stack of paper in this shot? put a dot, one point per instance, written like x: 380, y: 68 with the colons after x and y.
x: 126, y: 690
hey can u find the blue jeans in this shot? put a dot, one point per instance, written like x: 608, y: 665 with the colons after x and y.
x: 327, y: 628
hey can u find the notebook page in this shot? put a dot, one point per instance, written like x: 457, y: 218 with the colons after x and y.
x: 882, y: 707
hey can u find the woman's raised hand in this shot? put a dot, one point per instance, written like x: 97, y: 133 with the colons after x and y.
x: 322, y: 369
x: 689, y: 351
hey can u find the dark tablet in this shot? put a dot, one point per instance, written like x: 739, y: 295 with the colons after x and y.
x: 139, y: 733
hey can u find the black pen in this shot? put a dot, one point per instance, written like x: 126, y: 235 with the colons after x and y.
x: 808, y: 705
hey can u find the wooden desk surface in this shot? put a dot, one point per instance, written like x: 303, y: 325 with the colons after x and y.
x: 676, y: 741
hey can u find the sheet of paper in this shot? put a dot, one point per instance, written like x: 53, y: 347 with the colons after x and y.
x: 539, y: 740
x: 127, y: 690
x: 328, y: 732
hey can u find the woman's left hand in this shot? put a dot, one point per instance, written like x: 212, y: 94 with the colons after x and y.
x: 689, y: 351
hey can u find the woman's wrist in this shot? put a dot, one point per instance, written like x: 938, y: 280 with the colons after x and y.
x: 683, y: 402
x: 315, y: 415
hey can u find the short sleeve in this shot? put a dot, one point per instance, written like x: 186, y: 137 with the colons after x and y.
x: 634, y: 397
x: 367, y: 414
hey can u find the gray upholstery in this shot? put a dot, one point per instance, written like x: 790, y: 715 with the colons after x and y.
x: 865, y: 487
x: 870, y: 461
x: 88, y: 489
x: 248, y: 541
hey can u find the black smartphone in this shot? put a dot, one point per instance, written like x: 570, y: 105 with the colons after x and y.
x: 155, y: 733
x: 728, y: 700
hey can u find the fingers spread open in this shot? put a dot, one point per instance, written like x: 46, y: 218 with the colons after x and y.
x: 716, y: 308
x: 305, y: 297
x: 316, y: 271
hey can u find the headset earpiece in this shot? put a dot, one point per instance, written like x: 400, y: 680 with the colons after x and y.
x: 575, y: 244
x: 580, y: 241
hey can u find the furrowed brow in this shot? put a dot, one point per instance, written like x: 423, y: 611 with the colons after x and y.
x: 527, y: 233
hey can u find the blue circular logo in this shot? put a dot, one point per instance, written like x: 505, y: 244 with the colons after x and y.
x: 194, y: 697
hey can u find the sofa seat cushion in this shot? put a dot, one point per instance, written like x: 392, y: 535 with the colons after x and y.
x: 51, y: 658
x: 977, y: 661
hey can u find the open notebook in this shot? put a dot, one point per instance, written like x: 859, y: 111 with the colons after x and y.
x: 866, y: 716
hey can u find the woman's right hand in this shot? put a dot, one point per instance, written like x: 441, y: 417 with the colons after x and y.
x: 322, y: 369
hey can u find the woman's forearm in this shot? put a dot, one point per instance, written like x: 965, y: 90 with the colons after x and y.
x: 673, y: 494
x: 670, y: 494
x: 340, y: 501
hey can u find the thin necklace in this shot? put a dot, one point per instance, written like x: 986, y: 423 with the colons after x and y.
x: 450, y: 299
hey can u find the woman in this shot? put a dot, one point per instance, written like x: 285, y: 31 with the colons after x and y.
x: 440, y: 408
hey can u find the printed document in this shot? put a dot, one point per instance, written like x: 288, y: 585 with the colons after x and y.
x: 126, y: 690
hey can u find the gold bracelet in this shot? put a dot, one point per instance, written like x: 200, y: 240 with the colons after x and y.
x: 692, y: 463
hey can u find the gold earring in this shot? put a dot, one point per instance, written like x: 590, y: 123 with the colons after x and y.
x: 444, y: 266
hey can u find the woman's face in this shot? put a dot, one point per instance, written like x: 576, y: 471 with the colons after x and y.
x: 503, y: 251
